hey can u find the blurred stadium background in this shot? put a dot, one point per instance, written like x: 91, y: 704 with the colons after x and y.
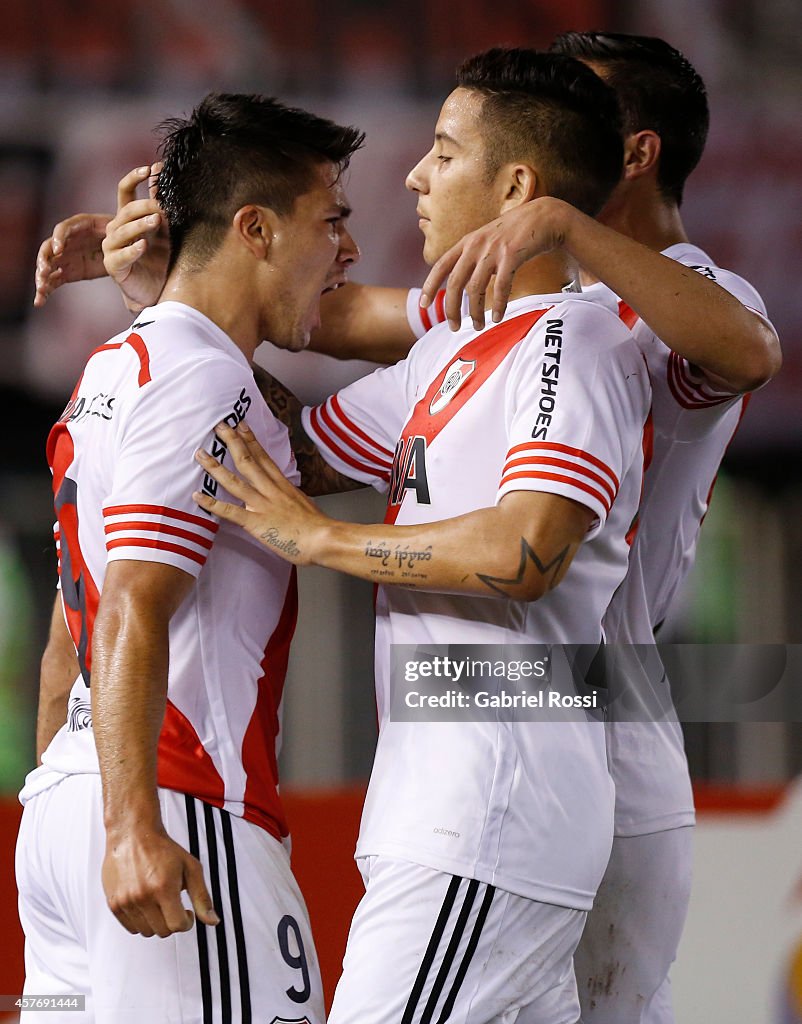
x: 83, y: 84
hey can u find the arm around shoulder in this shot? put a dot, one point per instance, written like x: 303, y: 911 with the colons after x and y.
x: 695, y: 316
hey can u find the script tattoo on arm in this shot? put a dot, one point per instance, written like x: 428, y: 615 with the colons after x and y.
x: 317, y: 476
x: 398, y: 563
x: 529, y: 563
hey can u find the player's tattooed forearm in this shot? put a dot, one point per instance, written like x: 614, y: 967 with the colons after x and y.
x: 317, y: 476
x: 401, y: 556
x: 529, y: 564
x: 273, y: 539
x: 287, y: 409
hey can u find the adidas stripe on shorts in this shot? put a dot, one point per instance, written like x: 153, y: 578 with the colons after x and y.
x: 427, y: 947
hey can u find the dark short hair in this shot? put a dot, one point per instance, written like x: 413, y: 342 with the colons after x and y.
x: 236, y: 149
x: 658, y: 89
x: 552, y: 108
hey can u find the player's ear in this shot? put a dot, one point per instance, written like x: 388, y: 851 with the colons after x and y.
x: 255, y: 226
x: 641, y: 154
x: 520, y: 184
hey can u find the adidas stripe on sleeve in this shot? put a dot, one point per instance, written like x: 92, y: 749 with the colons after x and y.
x: 356, y: 430
x: 149, y: 514
x: 423, y: 320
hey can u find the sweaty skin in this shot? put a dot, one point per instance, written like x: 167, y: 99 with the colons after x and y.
x: 144, y: 870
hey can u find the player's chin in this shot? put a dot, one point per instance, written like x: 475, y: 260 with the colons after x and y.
x: 433, y: 250
x: 296, y: 337
x: 300, y: 338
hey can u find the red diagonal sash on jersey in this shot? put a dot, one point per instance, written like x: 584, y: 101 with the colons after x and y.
x: 488, y: 351
x: 261, y: 800
x: 79, y: 592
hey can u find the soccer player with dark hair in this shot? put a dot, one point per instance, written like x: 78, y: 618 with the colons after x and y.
x: 700, y: 365
x: 164, y: 777
x: 549, y: 108
x: 658, y: 89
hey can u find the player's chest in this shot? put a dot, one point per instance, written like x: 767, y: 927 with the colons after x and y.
x: 450, y: 453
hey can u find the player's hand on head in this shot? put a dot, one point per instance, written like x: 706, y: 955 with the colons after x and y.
x: 274, y: 511
x: 136, y: 248
x: 143, y: 877
x: 72, y: 253
x: 492, y: 255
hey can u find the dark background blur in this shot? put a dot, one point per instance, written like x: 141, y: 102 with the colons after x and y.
x: 83, y: 84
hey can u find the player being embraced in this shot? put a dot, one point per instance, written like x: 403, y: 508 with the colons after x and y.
x: 706, y: 341
x: 164, y: 778
x: 510, y: 491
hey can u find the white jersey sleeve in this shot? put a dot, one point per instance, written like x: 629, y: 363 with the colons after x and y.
x: 423, y: 320
x: 576, y: 397
x: 149, y: 514
x: 356, y: 430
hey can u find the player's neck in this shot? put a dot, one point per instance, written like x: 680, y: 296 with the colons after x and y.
x: 645, y: 215
x: 544, y: 275
x: 222, y: 299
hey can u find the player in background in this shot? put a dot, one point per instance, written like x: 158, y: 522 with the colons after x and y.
x: 163, y: 778
x: 513, y: 462
x: 666, y: 120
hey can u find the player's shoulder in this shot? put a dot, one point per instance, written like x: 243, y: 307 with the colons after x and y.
x: 596, y: 341
x: 697, y: 259
x: 586, y: 319
x: 581, y: 339
x: 181, y: 347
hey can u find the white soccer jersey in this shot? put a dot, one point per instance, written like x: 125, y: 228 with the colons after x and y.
x: 123, y: 477
x: 467, y: 418
x: 693, y: 426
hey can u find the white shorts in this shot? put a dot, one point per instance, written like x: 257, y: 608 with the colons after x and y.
x: 259, y: 964
x: 633, y: 931
x: 427, y: 947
